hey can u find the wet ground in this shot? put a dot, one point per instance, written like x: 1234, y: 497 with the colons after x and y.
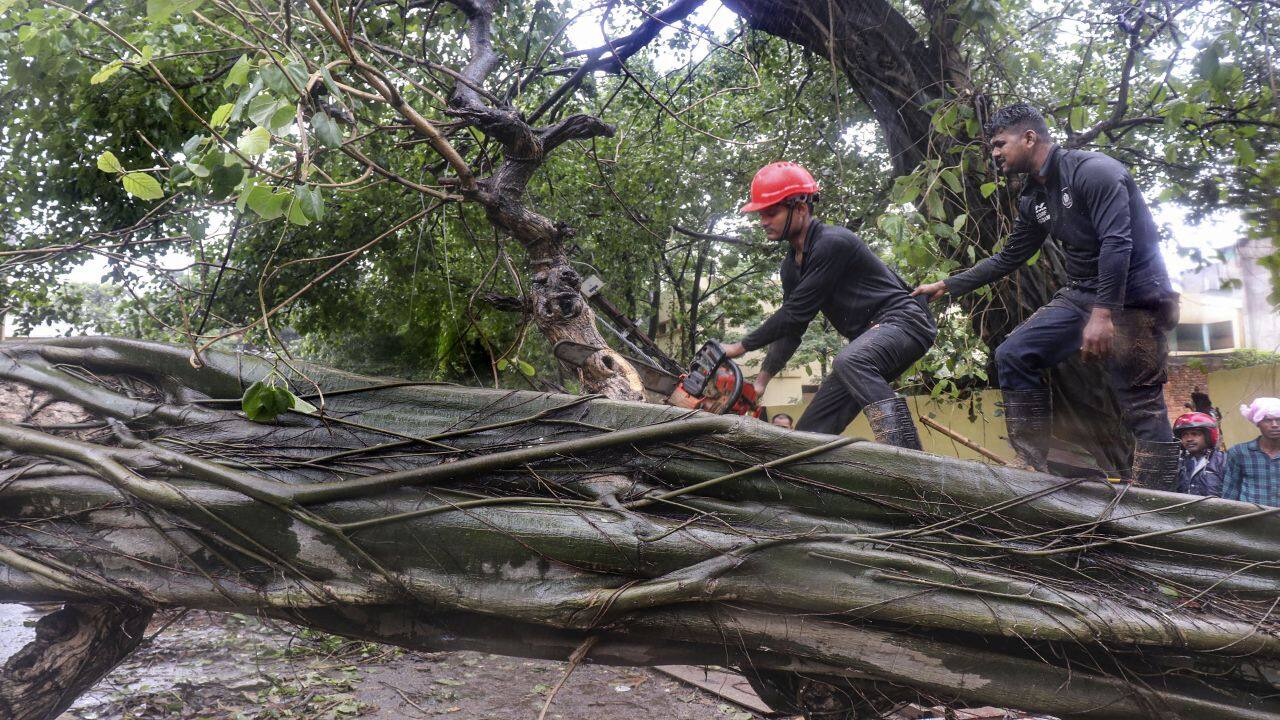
x: 212, y: 666
x: 236, y: 667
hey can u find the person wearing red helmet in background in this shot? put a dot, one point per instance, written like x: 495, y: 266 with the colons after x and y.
x: 1202, y: 463
x: 830, y: 269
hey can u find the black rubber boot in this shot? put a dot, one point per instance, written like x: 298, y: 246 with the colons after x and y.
x: 891, y: 423
x: 1028, y: 415
x: 1155, y: 464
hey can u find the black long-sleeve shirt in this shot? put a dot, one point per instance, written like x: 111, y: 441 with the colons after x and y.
x: 1091, y: 206
x: 841, y: 277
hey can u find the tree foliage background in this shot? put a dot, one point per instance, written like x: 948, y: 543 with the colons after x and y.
x: 1183, y: 93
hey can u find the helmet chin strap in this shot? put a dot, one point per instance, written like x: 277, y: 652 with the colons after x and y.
x: 786, y: 229
x: 791, y: 209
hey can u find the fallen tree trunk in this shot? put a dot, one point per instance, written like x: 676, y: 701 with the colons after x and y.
x: 442, y: 517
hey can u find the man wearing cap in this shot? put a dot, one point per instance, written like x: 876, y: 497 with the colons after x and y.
x: 1253, y: 468
x: 1116, y: 308
x: 830, y: 269
x: 1202, y: 462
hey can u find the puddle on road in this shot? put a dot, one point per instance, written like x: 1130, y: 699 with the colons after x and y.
x: 14, y: 632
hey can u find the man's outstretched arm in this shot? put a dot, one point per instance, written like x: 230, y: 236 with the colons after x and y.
x: 1023, y: 242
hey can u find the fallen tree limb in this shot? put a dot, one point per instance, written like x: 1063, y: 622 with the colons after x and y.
x: 443, y: 517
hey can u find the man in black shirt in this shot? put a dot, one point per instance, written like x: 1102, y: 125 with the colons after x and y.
x: 1117, y: 306
x: 830, y: 269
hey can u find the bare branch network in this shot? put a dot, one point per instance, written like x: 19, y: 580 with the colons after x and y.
x: 442, y: 517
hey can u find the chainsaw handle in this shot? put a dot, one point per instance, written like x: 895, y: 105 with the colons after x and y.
x: 738, y: 382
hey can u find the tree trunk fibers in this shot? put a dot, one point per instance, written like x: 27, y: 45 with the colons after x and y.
x: 73, y: 649
x: 442, y: 517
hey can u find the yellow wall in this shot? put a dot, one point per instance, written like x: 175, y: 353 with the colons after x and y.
x: 1228, y: 389
x: 985, y: 428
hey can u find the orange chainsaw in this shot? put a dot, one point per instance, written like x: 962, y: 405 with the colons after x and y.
x: 713, y: 383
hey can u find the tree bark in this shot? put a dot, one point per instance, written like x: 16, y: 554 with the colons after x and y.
x: 443, y: 517
x: 73, y: 649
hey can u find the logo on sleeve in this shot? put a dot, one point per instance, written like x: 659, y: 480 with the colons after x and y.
x: 1066, y: 198
x: 1042, y: 213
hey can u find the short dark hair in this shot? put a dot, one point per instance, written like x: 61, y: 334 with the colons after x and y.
x: 1017, y: 117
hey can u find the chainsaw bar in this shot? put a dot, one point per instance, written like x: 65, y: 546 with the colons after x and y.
x: 654, y: 378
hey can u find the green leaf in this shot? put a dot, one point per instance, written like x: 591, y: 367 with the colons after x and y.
x: 959, y: 222
x: 261, y: 108
x: 254, y: 142
x: 282, y: 117
x: 264, y: 403
x: 197, y: 229
x: 266, y: 203
x: 276, y: 79
x: 221, y: 115
x: 180, y: 176
x: 330, y: 83
x: 161, y: 9
x: 239, y: 72
x: 1245, y: 154
x: 526, y: 368
x: 933, y: 203
x: 247, y: 94
x: 296, y: 214
x: 107, y: 162
x: 1077, y: 118
x: 952, y: 180
x: 892, y: 225
x: 503, y: 365
x: 142, y: 185
x: 1208, y: 62
x: 310, y: 200
x: 225, y: 179
x: 106, y: 72
x: 198, y: 170
x: 302, y: 406
x: 988, y: 188
x: 5, y: 5
x: 192, y: 145
x: 1033, y: 259
x: 299, y: 73
x: 326, y: 130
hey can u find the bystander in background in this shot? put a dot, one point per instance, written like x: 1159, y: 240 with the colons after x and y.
x: 1253, y: 468
x: 1202, y: 462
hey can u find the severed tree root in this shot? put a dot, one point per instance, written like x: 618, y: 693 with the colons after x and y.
x: 73, y: 649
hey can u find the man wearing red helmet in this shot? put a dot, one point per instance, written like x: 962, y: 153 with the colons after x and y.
x: 1202, y: 463
x: 830, y: 269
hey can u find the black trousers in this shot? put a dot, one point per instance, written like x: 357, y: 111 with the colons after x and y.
x: 860, y: 376
x: 1135, y: 368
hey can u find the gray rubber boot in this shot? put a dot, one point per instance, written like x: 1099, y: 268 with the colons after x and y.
x: 891, y: 423
x: 1028, y: 415
x: 1155, y: 464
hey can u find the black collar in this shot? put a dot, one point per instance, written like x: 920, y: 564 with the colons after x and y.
x: 1050, y: 164
x: 809, y: 237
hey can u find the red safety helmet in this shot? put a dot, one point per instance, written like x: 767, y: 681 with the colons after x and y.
x: 776, y: 182
x: 1197, y: 421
